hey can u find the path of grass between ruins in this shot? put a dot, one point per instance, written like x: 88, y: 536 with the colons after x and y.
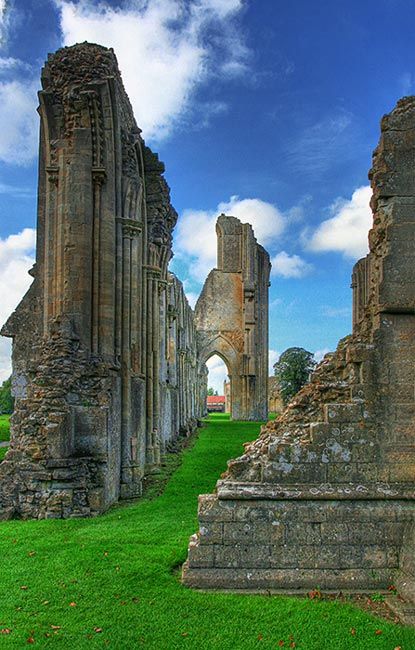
x: 111, y: 581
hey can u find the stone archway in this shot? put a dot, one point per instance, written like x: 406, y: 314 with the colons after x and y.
x: 231, y: 317
x: 221, y: 347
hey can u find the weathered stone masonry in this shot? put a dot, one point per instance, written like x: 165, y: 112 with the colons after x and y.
x: 104, y: 344
x: 231, y: 317
x: 325, y: 496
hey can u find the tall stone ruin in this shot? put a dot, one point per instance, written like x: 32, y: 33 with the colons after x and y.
x: 231, y: 317
x: 104, y: 345
x: 325, y: 495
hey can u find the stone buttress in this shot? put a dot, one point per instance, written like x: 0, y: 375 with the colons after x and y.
x: 93, y: 340
x: 325, y: 496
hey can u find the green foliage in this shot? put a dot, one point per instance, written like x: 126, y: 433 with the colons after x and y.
x: 4, y: 427
x: 293, y: 370
x: 211, y: 392
x: 6, y: 399
x: 113, y: 581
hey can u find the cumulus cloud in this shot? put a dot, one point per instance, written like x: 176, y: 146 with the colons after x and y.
x: 16, y: 258
x: 162, y: 49
x: 346, y: 231
x: 218, y: 373
x: 19, y: 135
x: 289, y: 266
x: 195, y: 237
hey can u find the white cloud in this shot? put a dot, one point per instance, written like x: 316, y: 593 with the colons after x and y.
x: 313, y: 150
x: 9, y: 63
x: 335, y: 312
x: 3, y: 21
x: 19, y: 120
x: 162, y: 50
x: 195, y: 236
x: 320, y: 354
x: 289, y: 266
x: 346, y: 231
x: 273, y: 356
x: 16, y: 258
x: 192, y: 297
x: 218, y: 373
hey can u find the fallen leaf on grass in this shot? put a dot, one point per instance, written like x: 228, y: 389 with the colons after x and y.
x: 56, y: 627
x: 378, y: 632
x: 24, y: 587
x: 97, y: 629
x: 45, y: 602
x: 293, y: 644
x: 5, y: 630
x: 281, y: 643
x: 260, y: 637
x: 353, y: 631
x: 185, y: 633
x: 72, y: 604
x: 32, y: 553
x: 30, y: 640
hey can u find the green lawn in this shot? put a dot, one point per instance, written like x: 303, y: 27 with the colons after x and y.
x: 4, y: 427
x: 112, y: 581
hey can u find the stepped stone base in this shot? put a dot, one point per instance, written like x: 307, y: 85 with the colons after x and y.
x: 293, y: 543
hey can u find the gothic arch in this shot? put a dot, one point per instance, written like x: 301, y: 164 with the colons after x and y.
x: 231, y: 316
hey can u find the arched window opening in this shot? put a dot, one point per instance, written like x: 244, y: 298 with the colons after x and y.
x: 219, y: 386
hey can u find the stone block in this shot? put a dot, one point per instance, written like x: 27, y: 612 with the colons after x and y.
x: 211, y: 533
x: 334, y: 533
x: 270, y: 533
x: 302, y: 533
x: 238, y: 533
x: 213, y: 509
x: 340, y: 413
x: 200, y: 557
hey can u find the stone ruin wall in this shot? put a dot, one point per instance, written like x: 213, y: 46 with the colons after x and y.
x: 104, y: 343
x: 231, y: 317
x: 325, y: 495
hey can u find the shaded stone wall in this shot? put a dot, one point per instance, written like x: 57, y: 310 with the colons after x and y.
x: 104, y: 346
x: 231, y: 317
x: 325, y: 495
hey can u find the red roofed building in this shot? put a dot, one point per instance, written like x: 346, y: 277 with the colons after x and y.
x: 215, y: 403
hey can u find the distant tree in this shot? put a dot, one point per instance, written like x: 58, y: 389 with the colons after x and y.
x: 293, y: 370
x: 211, y: 392
x: 6, y: 399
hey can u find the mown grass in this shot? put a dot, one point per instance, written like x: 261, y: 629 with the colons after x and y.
x: 4, y: 427
x: 113, y: 581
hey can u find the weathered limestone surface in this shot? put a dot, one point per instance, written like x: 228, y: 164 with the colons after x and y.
x: 231, y: 317
x: 104, y: 344
x: 325, y: 495
x: 275, y: 403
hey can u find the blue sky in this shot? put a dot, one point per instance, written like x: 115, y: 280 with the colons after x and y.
x: 267, y: 110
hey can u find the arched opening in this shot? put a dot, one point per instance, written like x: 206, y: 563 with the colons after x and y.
x: 219, y: 385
